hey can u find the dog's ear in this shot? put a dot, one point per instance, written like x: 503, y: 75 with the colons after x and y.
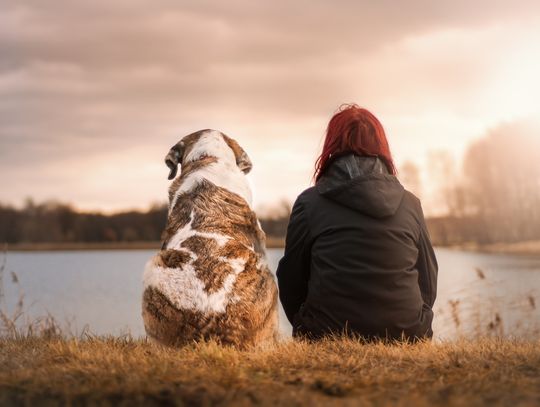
x: 174, y: 157
x: 242, y: 159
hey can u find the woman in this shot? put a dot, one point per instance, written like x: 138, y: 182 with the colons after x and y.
x: 358, y: 257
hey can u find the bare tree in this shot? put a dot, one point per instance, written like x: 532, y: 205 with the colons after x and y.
x: 503, y: 181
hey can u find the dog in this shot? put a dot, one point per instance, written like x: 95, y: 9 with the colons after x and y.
x: 210, y: 279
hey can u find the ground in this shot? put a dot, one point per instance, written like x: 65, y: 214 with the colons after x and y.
x: 124, y: 371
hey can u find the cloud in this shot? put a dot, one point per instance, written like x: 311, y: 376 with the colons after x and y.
x: 85, y: 84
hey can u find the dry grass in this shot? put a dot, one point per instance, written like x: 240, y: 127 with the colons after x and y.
x: 111, y: 371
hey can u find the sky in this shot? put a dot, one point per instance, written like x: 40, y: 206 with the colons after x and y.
x: 94, y: 93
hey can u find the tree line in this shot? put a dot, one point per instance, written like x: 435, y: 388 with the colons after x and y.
x: 494, y: 197
x: 55, y: 222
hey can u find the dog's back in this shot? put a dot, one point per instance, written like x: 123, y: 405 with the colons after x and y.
x: 210, y: 280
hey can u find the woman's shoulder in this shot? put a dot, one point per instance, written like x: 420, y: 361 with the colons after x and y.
x: 414, y: 206
x: 305, y: 202
x: 307, y: 194
x: 408, y: 196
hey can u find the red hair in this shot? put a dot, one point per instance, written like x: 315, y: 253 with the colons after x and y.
x: 354, y: 129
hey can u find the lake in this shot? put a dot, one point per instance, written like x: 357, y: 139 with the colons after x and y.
x: 478, y: 293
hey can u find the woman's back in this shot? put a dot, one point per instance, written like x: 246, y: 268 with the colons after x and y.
x: 359, y: 241
x: 357, y: 254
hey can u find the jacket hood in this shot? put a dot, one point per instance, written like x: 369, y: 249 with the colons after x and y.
x: 363, y: 184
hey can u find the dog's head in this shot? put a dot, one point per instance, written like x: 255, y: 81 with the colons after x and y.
x: 206, y: 143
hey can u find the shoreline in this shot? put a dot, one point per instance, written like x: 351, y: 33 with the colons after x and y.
x: 526, y: 248
x: 271, y: 243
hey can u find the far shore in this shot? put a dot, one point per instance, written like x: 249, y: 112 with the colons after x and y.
x: 271, y: 243
x: 527, y: 248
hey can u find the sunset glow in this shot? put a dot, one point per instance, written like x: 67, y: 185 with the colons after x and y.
x: 92, y: 97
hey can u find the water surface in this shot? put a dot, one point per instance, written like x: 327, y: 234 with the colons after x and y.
x: 478, y: 293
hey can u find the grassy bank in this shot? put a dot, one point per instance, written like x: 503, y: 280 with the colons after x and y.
x: 342, y: 372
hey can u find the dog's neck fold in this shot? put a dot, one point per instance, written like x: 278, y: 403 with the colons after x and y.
x: 211, y: 144
x: 211, y: 159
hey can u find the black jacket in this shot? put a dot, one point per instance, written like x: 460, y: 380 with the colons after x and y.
x: 358, y: 257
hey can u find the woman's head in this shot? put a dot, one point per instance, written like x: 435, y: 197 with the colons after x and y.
x: 354, y: 130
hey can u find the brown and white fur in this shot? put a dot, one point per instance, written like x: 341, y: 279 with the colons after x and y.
x: 210, y: 279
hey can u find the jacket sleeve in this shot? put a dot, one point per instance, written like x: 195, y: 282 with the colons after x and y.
x: 293, y: 269
x: 426, y: 265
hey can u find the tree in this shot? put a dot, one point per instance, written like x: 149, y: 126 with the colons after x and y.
x: 503, y: 181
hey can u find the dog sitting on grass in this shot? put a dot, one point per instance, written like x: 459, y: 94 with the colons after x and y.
x: 210, y: 279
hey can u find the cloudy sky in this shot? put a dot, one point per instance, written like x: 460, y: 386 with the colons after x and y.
x: 93, y: 93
